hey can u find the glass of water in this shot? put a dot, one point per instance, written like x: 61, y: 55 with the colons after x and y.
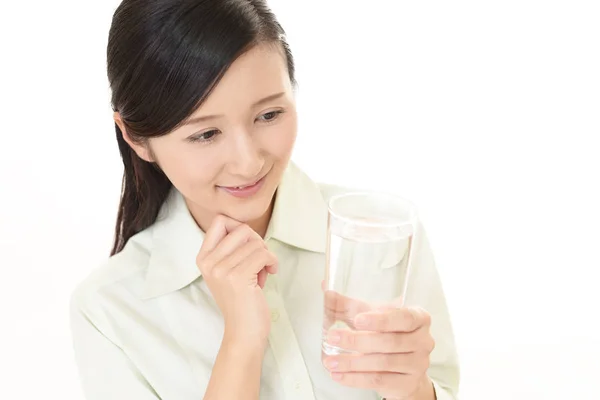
x: 369, y: 246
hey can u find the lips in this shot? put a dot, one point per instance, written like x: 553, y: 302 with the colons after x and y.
x: 242, y: 187
x: 245, y: 190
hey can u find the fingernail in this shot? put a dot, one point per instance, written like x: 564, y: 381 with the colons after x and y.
x: 331, y: 363
x: 336, y: 376
x: 361, y: 321
x: 334, y: 338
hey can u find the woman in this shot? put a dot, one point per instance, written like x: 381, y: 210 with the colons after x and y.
x: 213, y: 287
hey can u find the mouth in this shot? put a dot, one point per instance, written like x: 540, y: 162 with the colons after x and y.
x: 246, y: 189
x: 246, y: 186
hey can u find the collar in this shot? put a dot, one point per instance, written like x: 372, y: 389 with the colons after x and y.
x: 299, y: 216
x: 299, y: 219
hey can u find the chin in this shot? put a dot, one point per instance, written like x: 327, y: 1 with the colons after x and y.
x: 248, y: 210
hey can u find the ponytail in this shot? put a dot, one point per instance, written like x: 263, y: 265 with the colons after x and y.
x: 144, y: 189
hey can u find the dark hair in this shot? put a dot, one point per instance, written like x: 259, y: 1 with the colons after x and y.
x: 164, y: 57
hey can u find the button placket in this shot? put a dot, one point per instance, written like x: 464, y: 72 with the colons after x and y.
x: 274, y: 316
x: 286, y: 350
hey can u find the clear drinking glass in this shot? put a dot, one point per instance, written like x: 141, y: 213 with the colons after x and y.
x: 369, y: 245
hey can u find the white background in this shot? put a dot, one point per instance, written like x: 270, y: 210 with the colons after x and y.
x: 486, y: 114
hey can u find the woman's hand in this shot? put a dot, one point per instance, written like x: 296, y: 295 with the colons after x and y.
x: 392, y: 346
x: 234, y: 261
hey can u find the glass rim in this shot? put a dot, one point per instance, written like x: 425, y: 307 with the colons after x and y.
x: 411, y: 209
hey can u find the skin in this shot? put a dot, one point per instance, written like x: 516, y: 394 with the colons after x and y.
x: 246, y: 129
x: 247, y: 141
x: 392, y: 345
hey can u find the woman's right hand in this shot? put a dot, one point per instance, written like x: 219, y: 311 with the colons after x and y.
x: 234, y: 262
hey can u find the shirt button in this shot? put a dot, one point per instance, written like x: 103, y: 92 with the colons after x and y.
x: 274, y: 315
x: 297, y: 386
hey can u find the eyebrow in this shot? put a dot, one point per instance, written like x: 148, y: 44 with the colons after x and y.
x: 256, y: 104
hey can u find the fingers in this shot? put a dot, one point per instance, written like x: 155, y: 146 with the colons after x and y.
x: 238, y: 255
x: 250, y: 262
x: 410, y: 363
x: 373, y: 380
x: 262, y: 278
x: 219, y: 228
x: 258, y: 260
x: 337, y: 302
x: 405, y: 319
x: 378, y: 342
x: 225, y: 237
x: 343, y: 308
x: 244, y: 255
x: 231, y: 242
x: 272, y: 269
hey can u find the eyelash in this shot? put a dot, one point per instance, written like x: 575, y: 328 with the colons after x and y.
x: 202, y: 137
x: 275, y: 113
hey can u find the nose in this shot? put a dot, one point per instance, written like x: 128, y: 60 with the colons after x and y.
x: 246, y: 160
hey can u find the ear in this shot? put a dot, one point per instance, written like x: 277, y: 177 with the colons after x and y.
x: 141, y: 149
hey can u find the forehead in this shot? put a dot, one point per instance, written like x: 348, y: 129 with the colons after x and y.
x: 258, y: 73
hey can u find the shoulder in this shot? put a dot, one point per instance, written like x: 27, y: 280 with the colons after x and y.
x: 120, y: 275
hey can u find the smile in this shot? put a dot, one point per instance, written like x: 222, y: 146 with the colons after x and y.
x: 245, y: 190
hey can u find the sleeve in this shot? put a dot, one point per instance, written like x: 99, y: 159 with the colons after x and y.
x: 425, y: 290
x: 105, y: 371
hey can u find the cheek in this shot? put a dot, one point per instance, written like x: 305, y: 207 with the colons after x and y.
x: 280, y: 142
x: 187, y: 165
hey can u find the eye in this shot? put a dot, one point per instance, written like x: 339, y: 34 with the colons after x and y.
x: 207, y: 136
x: 270, y: 116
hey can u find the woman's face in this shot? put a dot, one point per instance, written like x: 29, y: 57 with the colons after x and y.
x: 230, y: 155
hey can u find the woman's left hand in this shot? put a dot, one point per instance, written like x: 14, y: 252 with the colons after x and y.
x: 393, y: 347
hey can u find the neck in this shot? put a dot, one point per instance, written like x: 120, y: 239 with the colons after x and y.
x: 261, y: 224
